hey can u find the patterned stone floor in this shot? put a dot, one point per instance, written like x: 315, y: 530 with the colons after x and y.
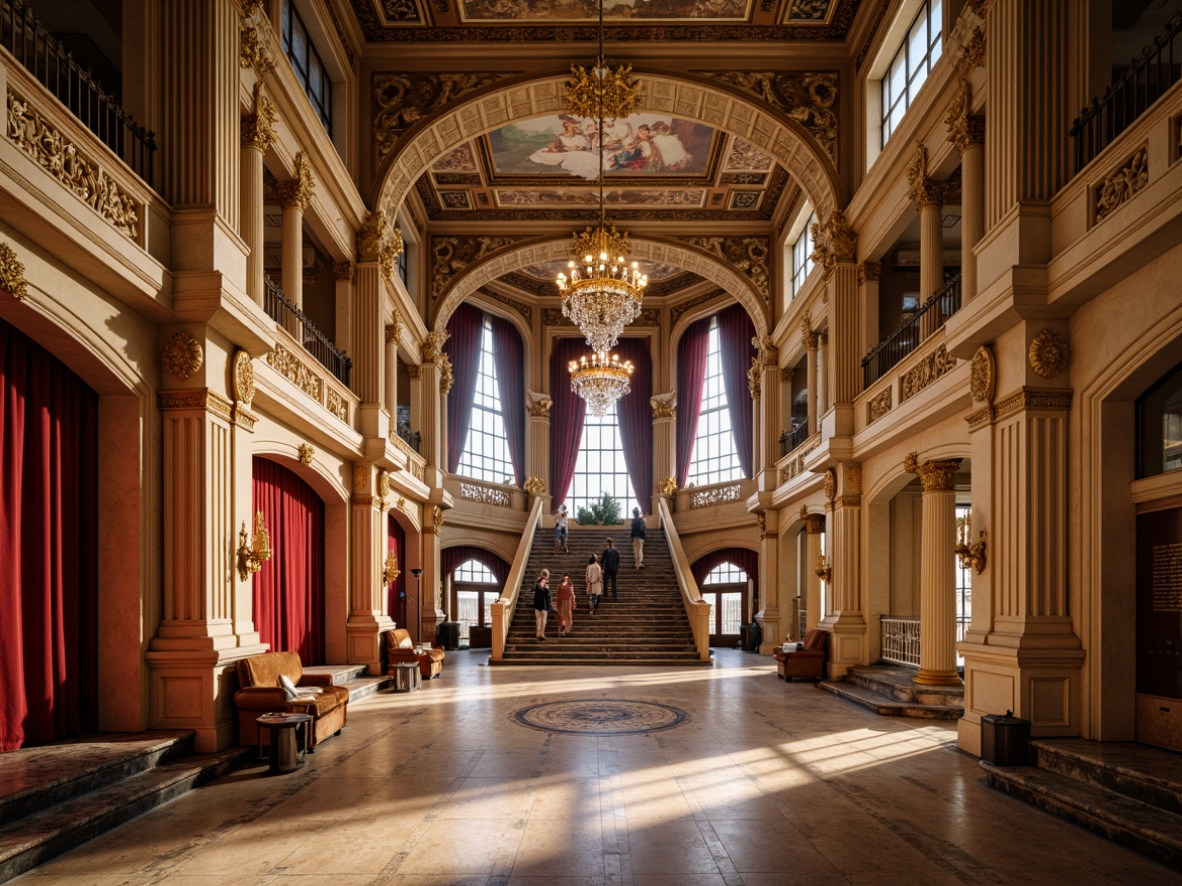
x: 763, y: 783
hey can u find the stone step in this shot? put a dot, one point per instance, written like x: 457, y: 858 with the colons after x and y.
x: 341, y: 673
x: 889, y: 706
x: 1138, y: 771
x: 689, y: 660
x: 363, y: 686
x: 896, y: 681
x: 1132, y: 823
x: 36, y: 838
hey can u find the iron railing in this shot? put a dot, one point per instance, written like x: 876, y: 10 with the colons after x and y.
x: 789, y: 440
x: 47, y: 59
x: 413, y: 439
x: 907, y: 337
x: 1146, y: 79
x: 314, y: 341
x: 900, y: 640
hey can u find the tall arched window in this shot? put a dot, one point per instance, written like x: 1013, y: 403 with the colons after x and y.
x: 715, y: 456
x: 486, y: 448
x: 723, y: 589
x: 475, y: 588
x: 600, y: 467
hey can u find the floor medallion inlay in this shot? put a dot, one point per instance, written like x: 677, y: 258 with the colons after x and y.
x: 601, y: 717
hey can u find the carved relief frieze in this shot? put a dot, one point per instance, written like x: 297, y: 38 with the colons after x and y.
x: 716, y: 495
x: 62, y: 159
x: 1121, y: 184
x: 489, y: 495
x: 663, y: 406
x: 296, y: 371
x: 337, y: 405
x: 936, y: 364
x: 1032, y: 398
x: 748, y: 255
x: 12, y: 273
x: 878, y: 405
x: 451, y: 255
x: 403, y: 99
x: 182, y: 356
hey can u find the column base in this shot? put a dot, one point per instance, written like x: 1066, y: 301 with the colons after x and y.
x: 848, y: 640
x: 937, y: 678
x: 364, y: 641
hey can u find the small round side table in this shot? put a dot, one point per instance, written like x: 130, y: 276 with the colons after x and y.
x: 287, y: 750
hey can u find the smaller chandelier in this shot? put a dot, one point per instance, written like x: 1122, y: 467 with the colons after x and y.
x: 600, y: 380
x: 603, y: 293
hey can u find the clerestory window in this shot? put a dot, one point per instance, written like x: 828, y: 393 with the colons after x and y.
x: 600, y: 466
x: 920, y: 50
x: 306, y: 62
x: 802, y: 255
x: 486, y: 449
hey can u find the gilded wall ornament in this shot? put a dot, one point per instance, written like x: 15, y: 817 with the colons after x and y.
x: 383, y: 484
x: 668, y: 486
x: 965, y: 129
x: 258, y: 127
x: 1048, y: 353
x: 436, y: 518
x: 748, y: 255
x: 361, y: 479
x: 182, y: 356
x: 451, y: 255
x: 337, y: 405
x: 305, y: 452
x: 298, y: 191
x: 932, y: 367
x: 296, y: 371
x: 534, y: 485
x: 830, y: 485
x: 1123, y: 183
x: 879, y: 405
x: 834, y: 241
x: 924, y: 191
x: 808, y: 98
x: 242, y: 378
x: 433, y: 345
x: 982, y: 375
x: 253, y: 50
x: 62, y: 159
x: 12, y: 273
x: 403, y: 99
x: 371, y: 239
x: 808, y: 338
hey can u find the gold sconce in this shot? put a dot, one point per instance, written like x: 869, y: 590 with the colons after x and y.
x: 969, y: 554
x: 824, y: 569
x: 391, y: 571
x: 252, y: 556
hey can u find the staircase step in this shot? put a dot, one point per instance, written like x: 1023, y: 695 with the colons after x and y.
x: 361, y: 687
x: 691, y: 660
x: 1139, y: 826
x: 341, y: 673
x: 888, y: 705
x: 897, y: 681
x: 1137, y: 771
x: 31, y: 841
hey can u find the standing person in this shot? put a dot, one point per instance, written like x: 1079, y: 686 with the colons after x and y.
x: 542, y: 601
x: 594, y: 583
x: 561, y: 532
x: 566, y: 606
x: 610, y: 561
x: 637, y: 538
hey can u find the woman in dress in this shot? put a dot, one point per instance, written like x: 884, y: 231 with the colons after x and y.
x: 566, y: 606
x: 594, y: 582
x: 542, y: 602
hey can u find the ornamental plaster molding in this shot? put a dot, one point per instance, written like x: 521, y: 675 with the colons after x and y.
x: 924, y: 191
x: 361, y: 479
x: 296, y: 371
x: 451, y: 255
x: 965, y: 128
x: 433, y: 346
x: 305, y: 452
x: 1120, y: 185
x: 834, y: 241
x: 1048, y: 353
x: 982, y: 375
x: 1032, y: 398
x: 525, y: 310
x: 254, y: 51
x: 182, y: 356
x: 12, y: 273
x: 242, y: 378
x: 681, y: 308
x: 749, y: 255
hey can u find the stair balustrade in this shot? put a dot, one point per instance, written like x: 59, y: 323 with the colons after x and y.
x: 504, y: 607
x: 696, y: 609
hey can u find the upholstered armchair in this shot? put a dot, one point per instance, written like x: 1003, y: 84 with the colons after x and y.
x: 400, y: 649
x: 261, y: 691
x: 806, y: 662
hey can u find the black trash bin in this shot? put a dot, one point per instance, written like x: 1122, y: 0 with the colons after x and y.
x: 1005, y: 739
x: 754, y: 637
x: 448, y: 635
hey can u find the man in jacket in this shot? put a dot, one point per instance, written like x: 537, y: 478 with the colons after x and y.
x: 637, y: 538
x: 609, y: 560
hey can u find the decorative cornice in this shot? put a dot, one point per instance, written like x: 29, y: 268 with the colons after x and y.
x: 403, y: 99
x: 1048, y: 353
x: 258, y: 127
x: 935, y: 475
x: 1032, y: 398
x: 182, y: 356
x: 12, y: 273
x: 298, y: 191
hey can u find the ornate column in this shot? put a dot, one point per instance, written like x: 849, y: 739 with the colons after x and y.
x: 848, y: 645
x: 343, y: 273
x: 928, y: 197
x: 393, y: 336
x: 937, y: 580
x: 257, y: 135
x: 869, y: 274
x: 294, y: 196
x: 814, y: 525
x: 824, y: 367
x: 537, y: 453
x: 367, y: 606
x: 374, y: 241
x: 771, y: 616
x: 434, y: 385
x: 763, y: 379
x: 836, y: 250
x: 664, y: 442
x: 967, y: 132
x: 810, y: 340
x: 430, y: 610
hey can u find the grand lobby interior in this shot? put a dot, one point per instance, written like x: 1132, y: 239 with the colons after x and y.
x: 315, y: 313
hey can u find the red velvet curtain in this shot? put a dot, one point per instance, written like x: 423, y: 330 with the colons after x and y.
x: 691, y: 381
x: 510, y: 362
x: 745, y: 559
x: 450, y: 558
x: 735, y: 331
x: 289, y: 589
x: 48, y: 546
x: 396, y: 590
x: 465, y: 328
x: 566, y: 418
x: 635, y: 413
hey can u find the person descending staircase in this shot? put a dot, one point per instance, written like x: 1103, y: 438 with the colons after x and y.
x: 646, y: 625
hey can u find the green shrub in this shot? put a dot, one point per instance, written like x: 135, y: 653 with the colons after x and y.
x: 604, y: 512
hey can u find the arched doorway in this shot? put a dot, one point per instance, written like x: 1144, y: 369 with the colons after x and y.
x: 724, y: 580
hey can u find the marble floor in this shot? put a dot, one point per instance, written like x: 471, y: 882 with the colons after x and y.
x: 765, y: 783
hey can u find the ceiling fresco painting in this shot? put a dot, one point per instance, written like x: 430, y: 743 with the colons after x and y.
x: 587, y: 11
x: 543, y: 197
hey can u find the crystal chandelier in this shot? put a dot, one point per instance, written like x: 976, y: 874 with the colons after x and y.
x: 603, y: 292
x: 600, y: 380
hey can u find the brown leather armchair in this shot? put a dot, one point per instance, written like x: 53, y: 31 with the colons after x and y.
x: 806, y: 662
x: 260, y: 693
x: 400, y: 648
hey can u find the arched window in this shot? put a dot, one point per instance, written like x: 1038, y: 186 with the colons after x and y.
x: 726, y: 574
x: 600, y: 467
x: 476, y: 588
x: 723, y: 589
x: 486, y: 448
x: 715, y: 457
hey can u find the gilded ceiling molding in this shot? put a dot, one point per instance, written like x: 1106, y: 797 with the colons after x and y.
x: 296, y: 371
x: 965, y: 129
x: 746, y: 254
x: 12, y: 273
x: 401, y: 100
x: 258, y: 127
x: 809, y: 98
x: 834, y: 241
x: 298, y: 191
x: 451, y: 255
x: 1121, y: 184
x: 1048, y: 353
x: 182, y: 356
x: 62, y: 159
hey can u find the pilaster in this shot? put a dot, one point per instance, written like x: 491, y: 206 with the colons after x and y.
x: 848, y: 645
x: 967, y: 131
x: 810, y: 341
x: 537, y: 450
x: 869, y: 275
x: 814, y: 525
x: 928, y: 197
x: 765, y: 391
x: 435, y: 380
x: 367, y: 608
x: 771, y: 616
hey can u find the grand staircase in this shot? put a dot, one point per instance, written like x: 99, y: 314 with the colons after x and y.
x: 646, y: 626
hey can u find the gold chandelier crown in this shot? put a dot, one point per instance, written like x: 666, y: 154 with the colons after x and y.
x: 600, y: 380
x: 602, y: 90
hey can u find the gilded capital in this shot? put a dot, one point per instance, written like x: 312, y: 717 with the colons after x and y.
x: 814, y: 524
x: 808, y: 338
x: 964, y: 128
x: 924, y: 191
x: 935, y: 475
x: 343, y: 271
x: 371, y: 238
x: 258, y: 127
x: 834, y: 241
x: 869, y: 272
x: 298, y: 191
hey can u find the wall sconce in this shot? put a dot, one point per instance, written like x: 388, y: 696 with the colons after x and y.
x: 254, y: 555
x: 391, y: 571
x: 969, y: 554
x: 824, y: 569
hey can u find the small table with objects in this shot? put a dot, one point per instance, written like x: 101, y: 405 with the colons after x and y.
x: 288, y: 749
x: 407, y: 676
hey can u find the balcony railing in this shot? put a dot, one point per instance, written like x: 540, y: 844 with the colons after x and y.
x: 900, y: 640
x: 935, y: 311
x: 1145, y: 81
x: 47, y: 59
x: 296, y: 322
x: 413, y: 439
x: 790, y: 440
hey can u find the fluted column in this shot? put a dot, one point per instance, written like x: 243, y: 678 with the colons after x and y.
x: 824, y: 367
x: 294, y: 196
x: 393, y: 336
x: 343, y: 273
x: 367, y: 615
x: 664, y: 441
x: 869, y: 275
x: 770, y: 616
x: 537, y: 451
x: 849, y: 645
x: 257, y: 135
x: 764, y: 382
x: 937, y: 580
x: 814, y: 525
x: 810, y: 340
x: 430, y: 608
x: 928, y: 197
x: 967, y: 132
x: 435, y: 383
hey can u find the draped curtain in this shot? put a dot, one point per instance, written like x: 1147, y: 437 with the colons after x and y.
x: 465, y: 328
x: 735, y: 331
x: 48, y: 546
x: 566, y: 419
x: 452, y: 558
x: 635, y: 413
x: 745, y: 559
x: 289, y: 588
x: 395, y: 590
x: 691, y: 382
x: 510, y: 363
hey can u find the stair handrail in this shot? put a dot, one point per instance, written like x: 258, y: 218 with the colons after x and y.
x: 697, y: 610
x: 505, y: 605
